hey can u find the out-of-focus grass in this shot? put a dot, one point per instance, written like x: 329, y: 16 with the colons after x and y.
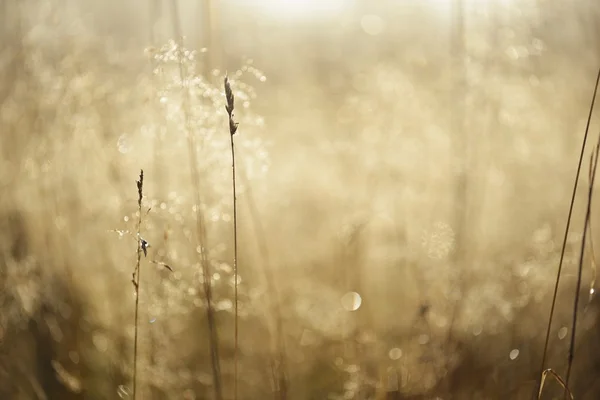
x: 351, y: 167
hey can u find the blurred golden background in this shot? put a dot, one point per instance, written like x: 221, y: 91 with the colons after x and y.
x: 404, y: 175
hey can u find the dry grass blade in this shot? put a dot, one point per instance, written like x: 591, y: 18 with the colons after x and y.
x: 136, y: 279
x: 162, y: 264
x: 581, y: 257
x: 232, y: 130
x: 567, y: 227
x: 558, y: 379
x: 593, y: 263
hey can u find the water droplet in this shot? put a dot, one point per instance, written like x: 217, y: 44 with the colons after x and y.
x: 100, y: 342
x: 153, y: 320
x: 514, y: 353
x: 562, y: 332
x: 423, y: 339
x: 351, y: 301
x: 74, y: 356
x: 352, y: 368
x: 224, y: 305
x: 123, y: 391
x: 395, y: 353
x: 372, y: 24
x: 123, y: 144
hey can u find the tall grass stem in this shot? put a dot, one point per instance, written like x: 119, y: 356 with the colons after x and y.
x: 136, y: 280
x: 230, y: 106
x: 566, y: 234
x: 200, y: 223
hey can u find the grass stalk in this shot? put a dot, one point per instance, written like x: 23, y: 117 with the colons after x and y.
x: 557, y: 378
x: 136, y: 279
x: 213, y: 336
x: 586, y: 224
x: 566, y: 234
x: 232, y: 130
x: 278, y: 351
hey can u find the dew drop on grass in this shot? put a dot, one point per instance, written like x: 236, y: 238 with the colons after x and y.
x: 514, y: 353
x: 74, y: 356
x: 224, y: 305
x: 123, y: 144
x: 351, y: 301
x: 562, y: 332
x: 100, y: 342
x: 423, y: 339
x: 395, y: 353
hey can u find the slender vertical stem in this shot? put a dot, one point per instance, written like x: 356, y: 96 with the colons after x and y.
x: 136, y: 281
x: 566, y: 233
x: 232, y: 130
x: 580, y: 267
x: 200, y: 223
x: 235, y: 268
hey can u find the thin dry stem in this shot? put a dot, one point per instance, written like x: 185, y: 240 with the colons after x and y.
x: 200, y: 223
x: 581, y: 257
x: 560, y: 381
x: 593, y: 262
x: 232, y: 130
x: 566, y: 233
x: 136, y: 279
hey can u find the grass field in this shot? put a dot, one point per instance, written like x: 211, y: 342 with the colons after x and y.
x: 403, y: 176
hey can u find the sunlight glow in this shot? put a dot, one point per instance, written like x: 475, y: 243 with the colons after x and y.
x: 301, y: 8
x: 447, y: 6
x: 468, y: 2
